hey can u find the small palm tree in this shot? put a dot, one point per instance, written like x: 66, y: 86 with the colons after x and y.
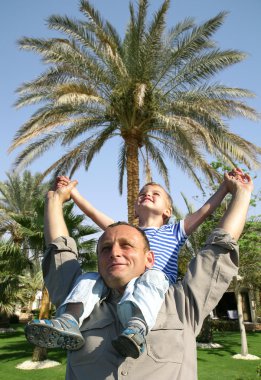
x: 13, y: 264
x: 151, y: 89
x: 17, y: 197
x: 27, y: 243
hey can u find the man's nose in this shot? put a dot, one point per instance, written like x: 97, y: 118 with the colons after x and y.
x: 115, y: 250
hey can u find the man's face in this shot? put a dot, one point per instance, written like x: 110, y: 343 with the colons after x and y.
x: 122, y: 256
x: 155, y: 199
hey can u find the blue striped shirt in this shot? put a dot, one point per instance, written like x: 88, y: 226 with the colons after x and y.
x: 166, y: 243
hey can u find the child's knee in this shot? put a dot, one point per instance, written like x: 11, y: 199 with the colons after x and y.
x: 155, y: 277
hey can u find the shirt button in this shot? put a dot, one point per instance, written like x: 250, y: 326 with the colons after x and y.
x: 124, y: 373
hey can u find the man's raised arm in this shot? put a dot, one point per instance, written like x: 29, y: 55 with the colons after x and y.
x: 240, y: 186
x: 60, y: 266
x: 210, y: 273
x: 54, y: 224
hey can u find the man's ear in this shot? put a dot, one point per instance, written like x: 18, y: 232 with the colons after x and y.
x: 150, y: 259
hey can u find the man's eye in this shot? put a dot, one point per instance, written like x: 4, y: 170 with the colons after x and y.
x: 126, y: 246
x: 105, y: 249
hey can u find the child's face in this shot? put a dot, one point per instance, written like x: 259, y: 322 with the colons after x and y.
x: 154, y: 198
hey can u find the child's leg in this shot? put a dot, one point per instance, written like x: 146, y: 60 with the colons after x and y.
x: 87, y: 291
x: 138, y: 310
x: 75, y: 310
x: 63, y: 331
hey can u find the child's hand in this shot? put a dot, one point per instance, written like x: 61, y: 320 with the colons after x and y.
x: 61, y: 181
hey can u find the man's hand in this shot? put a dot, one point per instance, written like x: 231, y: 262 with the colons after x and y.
x: 54, y: 224
x: 62, y: 193
x: 61, y: 181
x: 240, y: 185
x: 237, y: 179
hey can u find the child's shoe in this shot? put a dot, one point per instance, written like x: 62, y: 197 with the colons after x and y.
x: 61, y: 332
x: 131, y: 342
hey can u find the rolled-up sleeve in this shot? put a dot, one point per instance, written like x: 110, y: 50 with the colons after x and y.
x: 60, y: 268
x: 209, y: 276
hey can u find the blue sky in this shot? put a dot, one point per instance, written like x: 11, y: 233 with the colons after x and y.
x: 241, y: 30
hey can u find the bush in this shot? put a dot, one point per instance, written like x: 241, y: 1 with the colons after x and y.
x: 224, y: 325
x: 205, y: 335
x: 35, y: 313
x: 212, y: 325
x: 14, y: 318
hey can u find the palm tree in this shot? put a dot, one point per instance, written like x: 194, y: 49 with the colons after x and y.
x: 18, y: 195
x: 22, y: 208
x: 150, y: 89
x: 13, y: 264
x: 32, y: 229
x: 16, y: 198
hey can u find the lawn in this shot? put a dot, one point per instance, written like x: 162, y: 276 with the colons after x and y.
x: 218, y: 364
x: 14, y: 350
x: 214, y: 364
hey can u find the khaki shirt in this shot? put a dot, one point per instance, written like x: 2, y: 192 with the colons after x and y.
x: 171, y: 345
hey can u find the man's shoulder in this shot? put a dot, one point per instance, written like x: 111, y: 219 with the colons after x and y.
x: 173, y: 303
x: 174, y: 290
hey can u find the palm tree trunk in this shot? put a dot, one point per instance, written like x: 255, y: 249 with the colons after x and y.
x: 40, y: 353
x: 132, y: 177
x: 45, y: 305
x: 244, y: 346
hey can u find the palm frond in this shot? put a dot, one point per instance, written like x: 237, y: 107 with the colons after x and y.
x: 76, y: 31
x: 153, y: 42
x: 34, y: 150
x: 157, y: 157
x: 105, y: 39
x: 44, y: 120
x: 82, y: 126
x: 98, y: 143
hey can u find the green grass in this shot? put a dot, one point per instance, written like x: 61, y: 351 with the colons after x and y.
x: 216, y: 364
x: 14, y: 349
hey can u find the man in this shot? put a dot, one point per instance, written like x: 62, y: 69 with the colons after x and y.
x: 122, y: 256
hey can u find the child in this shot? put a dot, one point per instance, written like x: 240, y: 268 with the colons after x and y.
x: 143, y: 297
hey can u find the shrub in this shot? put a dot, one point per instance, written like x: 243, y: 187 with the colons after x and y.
x: 14, y: 318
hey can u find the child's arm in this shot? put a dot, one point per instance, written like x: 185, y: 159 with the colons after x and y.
x: 98, y: 217
x: 192, y: 221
